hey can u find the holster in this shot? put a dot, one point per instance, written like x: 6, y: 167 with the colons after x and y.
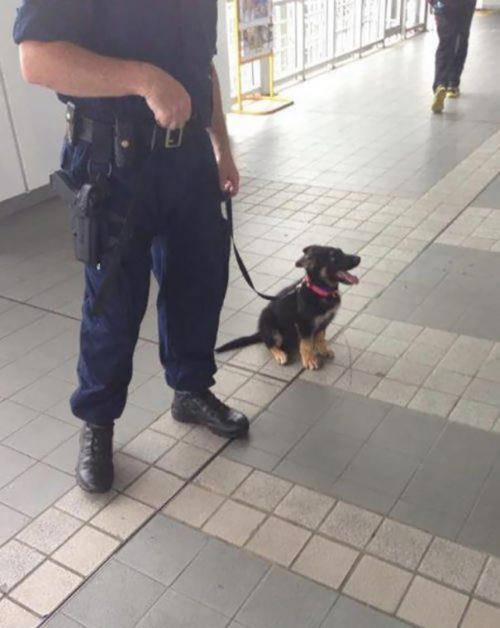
x: 88, y: 220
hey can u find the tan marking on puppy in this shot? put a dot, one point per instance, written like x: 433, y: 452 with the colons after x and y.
x: 321, y: 347
x: 279, y: 355
x: 309, y: 358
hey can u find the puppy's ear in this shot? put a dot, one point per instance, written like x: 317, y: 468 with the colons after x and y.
x: 306, y: 261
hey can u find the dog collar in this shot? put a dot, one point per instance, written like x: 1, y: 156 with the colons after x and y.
x: 321, y: 292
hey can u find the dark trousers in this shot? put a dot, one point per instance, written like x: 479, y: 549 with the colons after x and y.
x: 184, y: 240
x: 453, y: 29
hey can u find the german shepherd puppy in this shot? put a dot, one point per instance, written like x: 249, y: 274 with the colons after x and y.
x: 300, y: 314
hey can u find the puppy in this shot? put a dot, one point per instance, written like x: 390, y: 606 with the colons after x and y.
x: 300, y: 314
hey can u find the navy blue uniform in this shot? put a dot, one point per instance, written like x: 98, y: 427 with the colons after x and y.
x: 182, y: 235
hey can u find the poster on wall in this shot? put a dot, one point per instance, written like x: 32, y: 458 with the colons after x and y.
x: 256, y: 28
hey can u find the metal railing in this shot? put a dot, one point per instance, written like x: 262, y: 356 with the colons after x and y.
x: 310, y: 35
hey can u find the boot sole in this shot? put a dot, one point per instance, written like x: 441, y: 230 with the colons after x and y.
x: 182, y: 418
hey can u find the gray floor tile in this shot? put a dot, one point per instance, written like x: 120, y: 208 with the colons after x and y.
x: 116, y: 597
x: 305, y: 476
x: 350, y: 614
x: 65, y: 456
x: 241, y: 451
x: 285, y: 600
x: 429, y: 519
x: 355, y: 416
x: 490, y: 196
x: 221, y: 577
x: 275, y: 434
x: 381, y: 469
x: 39, y: 437
x: 408, y: 432
x: 451, y: 477
x: 11, y: 522
x: 13, y: 416
x: 325, y: 451
x: 36, y: 489
x: 363, y: 496
x: 303, y: 400
x: 162, y: 549
x: 176, y: 611
x: 13, y: 464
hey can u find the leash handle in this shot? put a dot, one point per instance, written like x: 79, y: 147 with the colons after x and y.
x: 239, y: 259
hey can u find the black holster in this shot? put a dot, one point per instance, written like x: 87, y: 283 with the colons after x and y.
x: 88, y: 218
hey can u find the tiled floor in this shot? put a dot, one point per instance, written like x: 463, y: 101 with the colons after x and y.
x: 367, y: 494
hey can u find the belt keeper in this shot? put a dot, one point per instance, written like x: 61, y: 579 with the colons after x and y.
x: 71, y: 119
x: 125, y: 150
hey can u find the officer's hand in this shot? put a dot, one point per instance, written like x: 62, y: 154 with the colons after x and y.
x: 229, y: 176
x: 168, y: 100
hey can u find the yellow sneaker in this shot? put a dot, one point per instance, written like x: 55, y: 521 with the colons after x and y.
x: 453, y: 92
x: 439, y: 98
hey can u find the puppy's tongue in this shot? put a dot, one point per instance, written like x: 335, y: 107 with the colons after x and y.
x: 343, y: 275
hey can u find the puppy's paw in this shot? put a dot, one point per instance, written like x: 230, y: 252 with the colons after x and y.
x: 311, y: 363
x: 280, y: 356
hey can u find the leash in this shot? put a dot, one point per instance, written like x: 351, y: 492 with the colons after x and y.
x: 241, y: 264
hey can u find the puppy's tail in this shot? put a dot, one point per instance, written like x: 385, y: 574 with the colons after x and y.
x: 239, y: 343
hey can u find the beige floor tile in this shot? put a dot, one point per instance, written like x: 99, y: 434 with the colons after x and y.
x: 374, y: 363
x: 391, y: 347
x: 475, y: 414
x: 149, y: 446
x: 357, y: 382
x: 223, y: 476
x: 433, y: 402
x: 489, y: 583
x: 122, y: 517
x: 367, y: 322
x: 394, y: 392
x: 13, y: 616
x: 127, y: 469
x: 201, y: 437
x: 356, y: 338
x: 431, y: 605
x: 351, y: 524
x: 378, y: 584
x: 447, y: 381
x: 84, y: 505
x: 85, y: 551
x: 325, y: 561
x: 423, y: 353
x: 262, y: 490
x: 184, y: 460
x: 16, y: 561
x: 327, y: 375
x: 407, y: 332
x: 155, y: 487
x: 399, y: 543
x: 438, y: 338
x: 259, y: 390
x: 194, y: 505
x: 409, y: 372
x: 46, y: 588
x: 166, y: 424
x: 279, y: 541
x: 48, y: 531
x: 481, y: 615
x: 234, y: 522
x: 305, y: 507
x: 452, y: 564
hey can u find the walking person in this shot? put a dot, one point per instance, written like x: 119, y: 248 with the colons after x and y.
x: 453, y: 21
x: 137, y: 75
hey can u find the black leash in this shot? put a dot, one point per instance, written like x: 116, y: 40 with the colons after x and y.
x: 244, y: 271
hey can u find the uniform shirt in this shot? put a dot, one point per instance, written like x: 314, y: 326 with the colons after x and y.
x: 178, y: 36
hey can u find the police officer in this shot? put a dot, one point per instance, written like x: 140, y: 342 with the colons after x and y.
x: 129, y: 68
x: 453, y: 21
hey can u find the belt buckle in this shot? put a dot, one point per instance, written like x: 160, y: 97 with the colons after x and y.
x: 173, y: 138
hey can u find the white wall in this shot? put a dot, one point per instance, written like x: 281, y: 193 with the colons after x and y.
x: 36, y: 114
x: 36, y: 119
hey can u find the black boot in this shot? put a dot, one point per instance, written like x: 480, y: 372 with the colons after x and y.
x: 205, y: 409
x: 94, y: 470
